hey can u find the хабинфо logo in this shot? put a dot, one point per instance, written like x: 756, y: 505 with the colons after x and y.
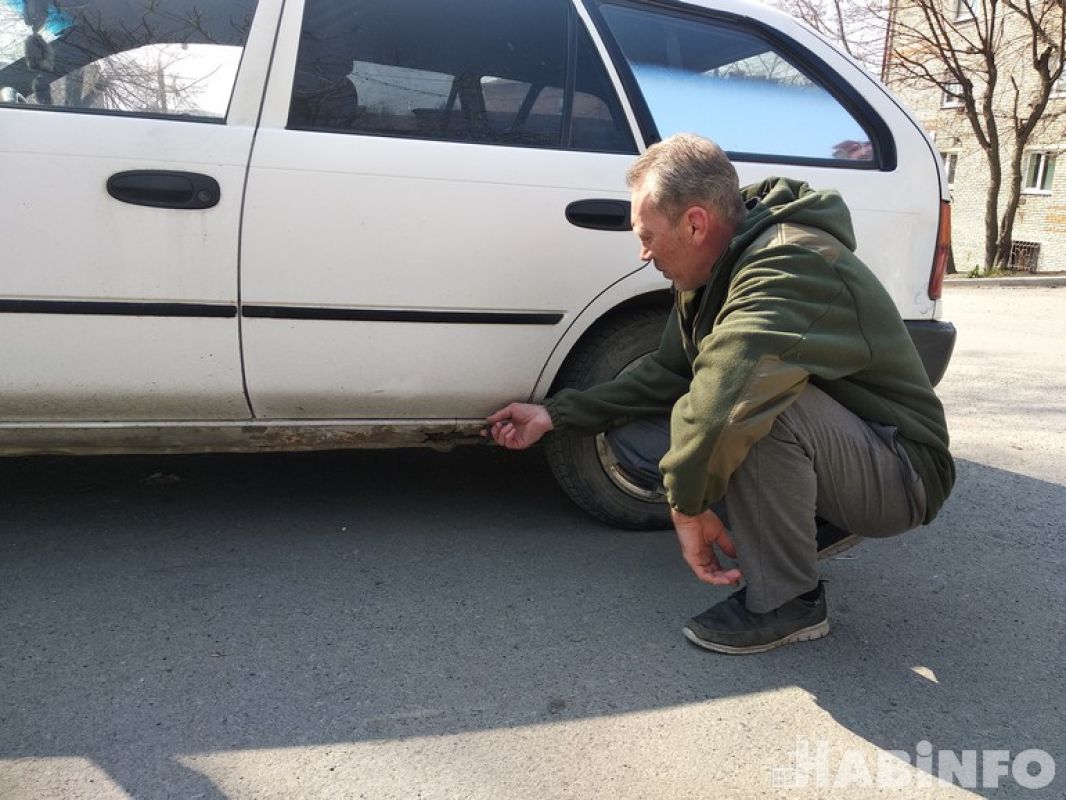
x: 896, y: 769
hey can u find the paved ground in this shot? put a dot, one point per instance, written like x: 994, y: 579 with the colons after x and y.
x: 421, y: 625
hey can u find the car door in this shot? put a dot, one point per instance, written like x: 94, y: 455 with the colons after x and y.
x: 406, y: 251
x: 125, y: 131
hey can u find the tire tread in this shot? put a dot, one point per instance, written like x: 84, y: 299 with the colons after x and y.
x: 572, y: 457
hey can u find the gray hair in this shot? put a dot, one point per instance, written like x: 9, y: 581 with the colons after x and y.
x: 687, y: 170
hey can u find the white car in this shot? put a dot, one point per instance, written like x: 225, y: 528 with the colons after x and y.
x: 232, y: 225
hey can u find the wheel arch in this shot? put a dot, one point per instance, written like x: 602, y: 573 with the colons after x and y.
x: 585, y: 466
x: 605, y: 308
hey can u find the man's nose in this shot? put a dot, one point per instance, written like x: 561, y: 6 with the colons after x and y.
x: 645, y: 253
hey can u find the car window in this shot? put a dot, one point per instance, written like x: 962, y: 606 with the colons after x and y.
x: 174, y: 58
x: 731, y: 85
x: 484, y: 71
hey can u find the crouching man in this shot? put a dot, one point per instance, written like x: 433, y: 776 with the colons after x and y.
x: 785, y: 383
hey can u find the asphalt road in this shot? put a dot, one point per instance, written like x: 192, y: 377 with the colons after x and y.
x: 413, y: 624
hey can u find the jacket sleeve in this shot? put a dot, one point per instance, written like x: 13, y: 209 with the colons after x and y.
x: 649, y: 389
x: 787, y: 316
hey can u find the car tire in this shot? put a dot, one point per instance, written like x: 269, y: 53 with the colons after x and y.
x: 582, y: 464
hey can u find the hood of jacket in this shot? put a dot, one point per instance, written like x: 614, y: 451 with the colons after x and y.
x: 777, y: 200
x: 770, y: 202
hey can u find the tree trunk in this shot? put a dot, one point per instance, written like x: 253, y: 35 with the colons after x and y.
x: 1006, y: 225
x: 995, y: 179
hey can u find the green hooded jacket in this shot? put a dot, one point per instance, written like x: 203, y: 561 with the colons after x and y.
x: 788, y: 302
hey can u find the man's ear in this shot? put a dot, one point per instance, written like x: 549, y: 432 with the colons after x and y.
x: 697, y: 224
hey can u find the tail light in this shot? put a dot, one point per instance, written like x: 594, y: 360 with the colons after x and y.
x: 942, y: 253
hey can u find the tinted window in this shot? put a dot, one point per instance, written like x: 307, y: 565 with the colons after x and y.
x: 732, y: 86
x: 487, y: 71
x: 170, y: 57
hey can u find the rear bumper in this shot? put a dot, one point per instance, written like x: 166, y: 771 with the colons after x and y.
x: 935, y: 342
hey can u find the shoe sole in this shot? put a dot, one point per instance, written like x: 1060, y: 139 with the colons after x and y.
x: 836, y: 548
x: 808, y: 634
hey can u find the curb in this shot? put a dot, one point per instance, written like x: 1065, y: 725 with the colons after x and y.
x: 1035, y: 280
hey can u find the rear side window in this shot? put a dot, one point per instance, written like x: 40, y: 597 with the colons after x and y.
x: 732, y: 86
x: 171, y: 58
x: 483, y: 71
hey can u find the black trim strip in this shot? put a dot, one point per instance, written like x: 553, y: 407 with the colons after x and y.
x: 569, y: 78
x: 389, y: 315
x: 112, y: 308
x: 148, y: 309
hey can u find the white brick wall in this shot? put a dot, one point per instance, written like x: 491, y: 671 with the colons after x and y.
x: 1041, y: 218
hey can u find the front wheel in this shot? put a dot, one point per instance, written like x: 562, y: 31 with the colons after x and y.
x: 584, y: 465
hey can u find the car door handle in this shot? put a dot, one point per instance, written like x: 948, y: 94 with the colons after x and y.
x: 164, y: 189
x: 602, y: 215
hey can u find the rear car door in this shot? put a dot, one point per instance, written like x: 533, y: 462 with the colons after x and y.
x: 774, y: 97
x: 406, y: 251
x: 125, y: 131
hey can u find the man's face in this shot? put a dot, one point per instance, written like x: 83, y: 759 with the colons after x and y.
x: 674, y: 247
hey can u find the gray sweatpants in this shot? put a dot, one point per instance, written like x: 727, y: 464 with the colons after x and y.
x: 818, y: 459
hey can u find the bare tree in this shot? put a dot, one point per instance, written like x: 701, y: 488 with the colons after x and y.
x: 857, y: 26
x: 999, y: 62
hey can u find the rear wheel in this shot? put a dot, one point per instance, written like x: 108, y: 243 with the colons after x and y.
x: 584, y: 465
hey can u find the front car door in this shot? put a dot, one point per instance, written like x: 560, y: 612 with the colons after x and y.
x: 125, y: 131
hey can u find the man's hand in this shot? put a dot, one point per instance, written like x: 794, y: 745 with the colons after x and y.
x: 519, y: 425
x: 698, y: 536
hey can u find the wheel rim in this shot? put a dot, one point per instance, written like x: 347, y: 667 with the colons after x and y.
x: 610, y: 463
x: 619, y: 478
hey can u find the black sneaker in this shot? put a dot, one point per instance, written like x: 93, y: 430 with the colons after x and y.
x: 729, y: 627
x: 832, y: 540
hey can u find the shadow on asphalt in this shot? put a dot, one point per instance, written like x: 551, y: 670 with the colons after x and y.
x: 286, y: 600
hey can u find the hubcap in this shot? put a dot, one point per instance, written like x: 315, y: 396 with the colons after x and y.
x: 619, y: 478
x: 610, y: 463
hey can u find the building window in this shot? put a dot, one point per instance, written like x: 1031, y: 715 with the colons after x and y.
x: 1058, y: 86
x: 1040, y: 173
x: 951, y: 95
x: 966, y: 10
x: 951, y: 161
x: 1024, y: 256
